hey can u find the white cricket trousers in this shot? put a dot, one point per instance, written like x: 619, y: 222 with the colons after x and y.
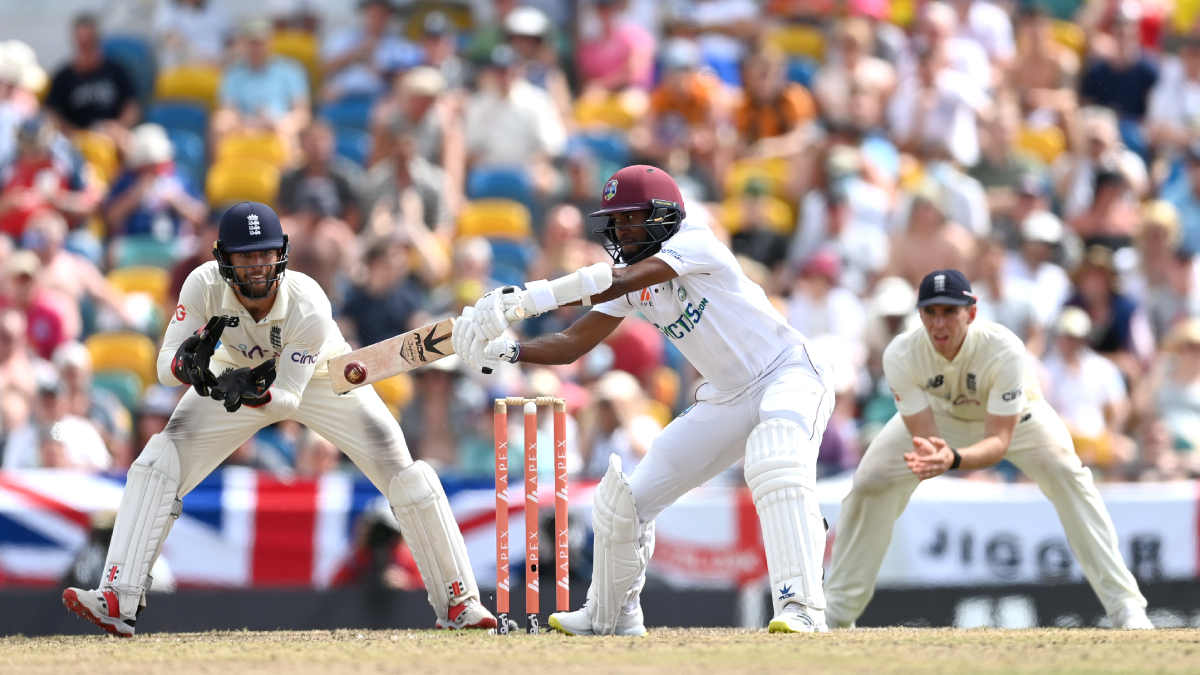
x: 1041, y: 447
x: 358, y: 423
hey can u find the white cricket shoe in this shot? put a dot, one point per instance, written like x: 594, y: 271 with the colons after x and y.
x: 796, y: 618
x: 579, y: 622
x: 101, y: 608
x: 1130, y: 617
x: 470, y: 614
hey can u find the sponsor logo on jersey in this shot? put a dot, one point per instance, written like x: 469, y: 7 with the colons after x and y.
x: 676, y: 330
x: 304, y: 358
x: 1012, y: 395
x: 644, y: 297
x: 687, y: 410
x: 1025, y: 417
x: 673, y: 253
x: 180, y: 313
x: 252, y: 221
x: 682, y: 294
x: 785, y: 593
x: 277, y: 337
x: 971, y: 382
x: 963, y: 399
x: 233, y: 321
x: 610, y: 189
x: 254, y: 352
x: 935, y: 382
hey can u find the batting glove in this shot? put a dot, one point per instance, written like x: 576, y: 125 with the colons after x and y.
x: 492, y: 310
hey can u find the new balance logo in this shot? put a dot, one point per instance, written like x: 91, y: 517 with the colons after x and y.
x: 252, y: 221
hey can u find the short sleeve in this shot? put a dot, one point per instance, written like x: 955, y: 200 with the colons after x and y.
x: 1007, y: 393
x: 618, y: 307
x: 694, y: 252
x: 906, y: 389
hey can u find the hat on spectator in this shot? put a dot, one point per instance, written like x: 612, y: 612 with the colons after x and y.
x: 1160, y: 213
x: 823, y: 263
x: 1187, y: 332
x: 843, y: 160
x: 945, y: 287
x: 1042, y: 226
x: 1073, y: 322
x: 33, y: 77
x: 255, y: 29
x: 930, y: 192
x: 25, y: 263
x: 10, y: 71
x: 527, y: 21
x: 48, y: 382
x: 71, y: 354
x: 149, y: 145
x: 873, y: 9
x: 159, y: 401
x: 502, y: 57
x: 893, y: 296
x: 435, y: 24
x: 35, y: 133
x: 617, y: 385
x: 680, y: 54
x: 1097, y: 257
x: 423, y: 81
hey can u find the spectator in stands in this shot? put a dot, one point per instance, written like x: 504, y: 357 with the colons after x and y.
x: 683, y: 115
x: 69, y: 276
x: 509, y: 122
x: 757, y: 237
x: 1174, y: 103
x: 154, y: 411
x: 101, y: 407
x: 403, y: 171
x: 151, y: 198
x: 429, y: 422
x: 528, y: 31
x: 191, y: 31
x: 439, y: 43
x: 1045, y: 72
x: 931, y: 241
x: 1157, y: 241
x: 1041, y: 233
x: 54, y: 438
x: 1008, y: 301
x: 1168, y: 402
x: 1120, y: 329
x: 619, y: 58
x: 937, y: 32
x: 48, y: 317
x: 325, y: 185
x: 1123, y: 80
x: 861, y: 248
x: 1089, y: 395
x: 772, y: 117
x: 322, y: 247
x: 92, y: 91
x: 1094, y: 141
x: 28, y: 78
x: 357, y: 60
x: 989, y: 26
x: 16, y: 358
x: 383, y: 306
x: 489, y: 30
x: 964, y: 197
x: 44, y: 175
x: 820, y: 306
x: 201, y: 253
x: 316, y: 456
x: 1112, y: 219
x: 261, y: 92
x: 938, y: 104
x: 564, y: 247
x: 471, y: 274
x: 12, y: 113
x: 852, y: 64
x: 725, y: 28
x: 839, y: 175
x: 419, y: 101
x: 619, y: 424
x: 1002, y: 164
x: 1184, y: 195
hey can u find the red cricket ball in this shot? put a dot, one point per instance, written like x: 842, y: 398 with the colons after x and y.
x: 356, y: 371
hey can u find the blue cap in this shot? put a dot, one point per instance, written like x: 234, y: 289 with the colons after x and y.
x: 250, y: 226
x: 945, y: 287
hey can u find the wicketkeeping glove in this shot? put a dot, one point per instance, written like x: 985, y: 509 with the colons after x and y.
x: 190, y: 364
x: 250, y: 386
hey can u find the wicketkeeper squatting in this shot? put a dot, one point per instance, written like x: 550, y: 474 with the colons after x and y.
x: 273, y: 367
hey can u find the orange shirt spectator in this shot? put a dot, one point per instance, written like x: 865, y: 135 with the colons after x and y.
x: 691, y: 98
x: 766, y: 119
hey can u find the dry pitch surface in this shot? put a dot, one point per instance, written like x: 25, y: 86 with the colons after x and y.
x: 674, y: 651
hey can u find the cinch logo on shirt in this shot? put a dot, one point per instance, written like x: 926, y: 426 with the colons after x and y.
x: 254, y: 352
x: 304, y: 358
x: 686, y: 321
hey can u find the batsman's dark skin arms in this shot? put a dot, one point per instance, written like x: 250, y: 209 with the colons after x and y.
x: 583, y: 335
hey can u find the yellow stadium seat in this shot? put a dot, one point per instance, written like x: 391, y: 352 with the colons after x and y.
x: 458, y: 12
x: 1070, y: 36
x: 153, y: 281
x: 774, y: 171
x: 302, y: 47
x: 263, y: 147
x: 242, y: 180
x: 101, y: 152
x: 132, y: 351
x: 1045, y: 144
x: 190, y: 83
x: 904, y: 12
x: 604, y: 111
x: 1185, y: 15
x: 777, y: 213
x: 499, y: 218
x: 396, y: 391
x: 799, y: 40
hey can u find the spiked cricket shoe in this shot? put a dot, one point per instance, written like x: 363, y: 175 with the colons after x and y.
x: 101, y: 608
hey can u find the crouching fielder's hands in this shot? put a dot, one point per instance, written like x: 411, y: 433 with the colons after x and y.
x: 930, y: 457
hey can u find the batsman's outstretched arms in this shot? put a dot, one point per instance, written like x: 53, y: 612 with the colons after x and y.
x: 932, y: 456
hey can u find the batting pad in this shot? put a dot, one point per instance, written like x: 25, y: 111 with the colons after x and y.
x: 781, y: 473
x: 421, y: 508
x: 149, y: 506
x: 619, y: 561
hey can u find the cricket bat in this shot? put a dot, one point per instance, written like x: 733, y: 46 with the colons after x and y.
x: 397, y: 355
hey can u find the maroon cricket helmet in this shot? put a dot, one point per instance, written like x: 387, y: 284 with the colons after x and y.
x: 637, y: 188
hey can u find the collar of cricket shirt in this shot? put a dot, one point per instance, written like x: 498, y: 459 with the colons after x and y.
x: 229, y: 301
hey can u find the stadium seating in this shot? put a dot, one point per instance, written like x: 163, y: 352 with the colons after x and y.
x: 353, y: 112
x: 101, y: 152
x: 132, y: 351
x: 302, y: 47
x: 180, y: 116
x: 606, y: 145
x: 495, y: 219
x: 501, y: 182
x: 199, y: 84
x: 1070, y: 36
x: 777, y: 213
x: 799, y: 40
x: 1045, y: 144
x: 353, y: 144
x: 242, y: 179
x: 143, y: 250
x: 153, y: 281
x: 396, y: 392
x: 609, y: 111
x: 190, y: 154
x: 260, y: 147
x: 773, y: 171
x: 510, y: 260
x: 137, y: 56
x: 123, y: 383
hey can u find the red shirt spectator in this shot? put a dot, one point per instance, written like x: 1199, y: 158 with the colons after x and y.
x: 44, y: 315
x: 43, y: 175
x: 637, y: 348
x: 621, y: 56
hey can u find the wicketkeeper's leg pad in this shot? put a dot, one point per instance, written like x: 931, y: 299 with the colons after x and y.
x: 621, y: 552
x: 437, y: 545
x: 149, y: 506
x: 781, y: 472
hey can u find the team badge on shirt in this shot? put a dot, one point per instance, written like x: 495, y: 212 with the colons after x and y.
x: 610, y: 189
x: 276, y: 338
x: 682, y: 294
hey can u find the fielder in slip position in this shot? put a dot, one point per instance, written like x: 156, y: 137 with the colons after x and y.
x: 967, y: 398
x: 766, y: 398
x: 266, y: 316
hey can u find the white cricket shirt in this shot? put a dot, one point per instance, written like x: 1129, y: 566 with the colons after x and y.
x: 991, y: 374
x: 299, y: 330
x: 721, y: 321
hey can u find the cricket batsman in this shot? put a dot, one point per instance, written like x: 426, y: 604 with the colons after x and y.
x: 967, y: 398
x: 766, y: 399
x: 277, y: 332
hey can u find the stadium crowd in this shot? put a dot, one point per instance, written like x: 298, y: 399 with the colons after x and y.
x: 432, y: 151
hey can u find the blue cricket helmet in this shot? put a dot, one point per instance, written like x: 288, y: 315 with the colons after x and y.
x: 245, y: 228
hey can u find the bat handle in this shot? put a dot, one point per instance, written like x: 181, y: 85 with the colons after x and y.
x: 514, y: 314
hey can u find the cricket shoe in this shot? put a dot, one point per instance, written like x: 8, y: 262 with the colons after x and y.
x: 629, y: 624
x: 1130, y: 617
x: 796, y: 618
x: 468, y: 615
x: 101, y: 608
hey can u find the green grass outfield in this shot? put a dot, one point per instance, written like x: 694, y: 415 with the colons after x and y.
x: 673, y: 651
